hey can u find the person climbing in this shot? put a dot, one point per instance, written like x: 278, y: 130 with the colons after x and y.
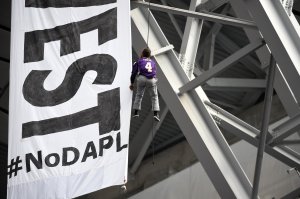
x: 288, y: 6
x: 145, y: 70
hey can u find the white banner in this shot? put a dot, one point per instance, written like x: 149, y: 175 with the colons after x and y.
x: 70, y: 103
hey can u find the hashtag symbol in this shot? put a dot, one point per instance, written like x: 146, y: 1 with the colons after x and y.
x: 14, y: 167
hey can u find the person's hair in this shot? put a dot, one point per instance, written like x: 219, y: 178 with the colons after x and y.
x: 146, y: 52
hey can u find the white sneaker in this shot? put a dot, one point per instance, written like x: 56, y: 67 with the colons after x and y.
x: 156, y: 118
x: 136, y: 115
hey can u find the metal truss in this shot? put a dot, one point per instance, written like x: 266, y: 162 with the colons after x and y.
x: 264, y: 127
x: 283, y: 90
x: 281, y: 33
x: 250, y: 134
x: 190, y: 40
x: 199, y: 15
x: 200, y: 80
x: 190, y: 113
x: 197, y: 117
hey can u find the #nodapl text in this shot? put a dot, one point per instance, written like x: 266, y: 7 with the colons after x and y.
x: 55, y: 159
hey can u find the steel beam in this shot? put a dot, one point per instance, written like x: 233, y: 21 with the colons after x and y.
x: 206, y: 140
x: 220, y: 67
x: 288, y: 142
x: 285, y: 94
x: 282, y: 37
x: 230, y: 46
x: 234, y: 84
x: 224, y: 104
x: 199, y: 15
x: 285, y: 129
x: 215, y: 29
x: 283, y: 90
x: 162, y: 50
x: 208, y: 59
x: 249, y: 62
x: 264, y: 128
x: 242, y: 12
x: 190, y: 41
x: 248, y: 133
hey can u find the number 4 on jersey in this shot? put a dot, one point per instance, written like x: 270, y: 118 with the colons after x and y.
x: 149, y: 67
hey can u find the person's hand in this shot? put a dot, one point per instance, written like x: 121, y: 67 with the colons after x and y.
x: 131, y: 87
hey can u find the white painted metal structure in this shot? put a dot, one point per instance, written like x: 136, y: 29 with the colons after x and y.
x: 191, y: 115
x: 227, y: 45
x: 185, y: 98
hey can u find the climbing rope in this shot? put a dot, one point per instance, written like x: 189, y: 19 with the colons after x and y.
x: 148, y: 24
x: 148, y: 18
x: 152, y: 140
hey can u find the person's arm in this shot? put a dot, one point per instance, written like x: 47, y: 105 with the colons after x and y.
x: 133, y: 74
x: 290, y: 7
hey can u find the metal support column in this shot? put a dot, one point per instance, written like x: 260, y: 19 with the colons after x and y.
x: 190, y: 40
x: 283, y: 90
x: 242, y: 12
x: 264, y: 128
x: 208, y: 60
x: 200, y: 130
x: 213, y: 17
x: 215, y: 29
x: 281, y: 34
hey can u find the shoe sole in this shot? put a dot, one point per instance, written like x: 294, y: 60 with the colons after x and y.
x: 156, y: 118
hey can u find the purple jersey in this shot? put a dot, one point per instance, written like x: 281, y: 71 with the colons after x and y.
x: 144, y: 66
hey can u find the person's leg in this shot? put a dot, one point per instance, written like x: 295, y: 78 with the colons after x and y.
x: 141, y: 85
x: 154, y: 97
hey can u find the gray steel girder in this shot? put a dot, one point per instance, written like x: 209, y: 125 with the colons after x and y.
x: 190, y: 113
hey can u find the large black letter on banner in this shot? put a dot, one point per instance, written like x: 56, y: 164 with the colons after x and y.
x: 37, y: 162
x: 107, y: 114
x: 65, y: 3
x: 69, y: 34
x: 35, y: 93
